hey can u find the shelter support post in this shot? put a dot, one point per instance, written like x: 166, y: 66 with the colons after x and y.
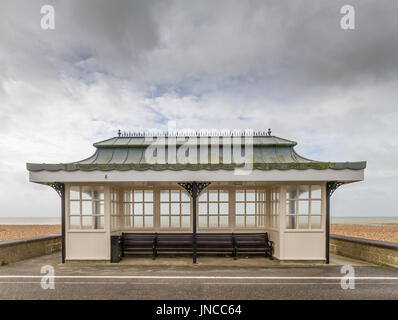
x: 194, y: 189
x: 60, y: 189
x: 331, y: 186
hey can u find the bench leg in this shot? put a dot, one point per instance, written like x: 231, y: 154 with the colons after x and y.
x: 235, y: 254
x: 269, y: 253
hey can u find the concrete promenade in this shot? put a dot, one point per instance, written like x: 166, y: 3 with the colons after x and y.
x: 177, y: 280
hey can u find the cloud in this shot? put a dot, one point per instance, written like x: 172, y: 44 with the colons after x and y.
x: 224, y: 64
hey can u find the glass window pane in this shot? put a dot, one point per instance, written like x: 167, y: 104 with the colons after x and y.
x: 74, y: 207
x: 240, y: 221
x: 315, y: 222
x: 240, y: 208
x: 87, y: 193
x: 148, y: 208
x: 148, y: 222
x: 164, y: 195
x: 74, y: 193
x: 87, y: 222
x: 250, y: 208
x: 138, y: 209
x: 175, y: 221
x: 213, y: 221
x: 203, y: 196
x: 260, y: 207
x: 185, y: 221
x: 303, y: 207
x: 240, y: 195
x: 213, y: 208
x: 223, y: 207
x: 175, y: 195
x: 98, y: 222
x: 148, y: 195
x: 74, y: 222
x: 138, y: 196
x: 175, y: 208
x: 98, y: 192
x: 164, y: 221
x: 128, y: 196
x: 250, y: 195
x: 223, y: 195
x: 302, y: 222
x: 164, y: 208
x: 213, y: 195
x: 185, y: 208
x: 185, y: 196
x: 128, y: 208
x: 250, y: 221
x: 87, y: 207
x: 290, y: 207
x: 223, y: 221
x: 315, y: 206
x: 203, y: 221
x: 97, y: 207
x: 291, y: 192
x: 138, y: 221
x: 260, y: 221
x: 316, y: 192
x: 202, y: 208
x: 290, y: 222
x: 304, y: 192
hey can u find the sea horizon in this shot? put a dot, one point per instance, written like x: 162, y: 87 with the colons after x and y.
x: 347, y: 220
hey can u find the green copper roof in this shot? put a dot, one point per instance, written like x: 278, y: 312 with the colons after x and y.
x: 128, y: 153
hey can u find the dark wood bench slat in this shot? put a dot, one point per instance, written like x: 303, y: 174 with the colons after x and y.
x: 205, y: 242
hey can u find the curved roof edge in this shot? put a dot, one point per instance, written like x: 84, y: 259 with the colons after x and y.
x: 35, y: 167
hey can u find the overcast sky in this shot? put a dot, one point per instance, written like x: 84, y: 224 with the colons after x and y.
x: 132, y: 65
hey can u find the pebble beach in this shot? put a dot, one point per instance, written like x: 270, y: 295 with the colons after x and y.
x: 13, y: 232
x: 380, y: 233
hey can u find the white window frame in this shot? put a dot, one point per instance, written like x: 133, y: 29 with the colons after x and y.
x: 94, y: 216
x: 204, y: 199
x: 297, y: 214
x: 259, y: 204
x: 170, y: 202
x: 129, y: 218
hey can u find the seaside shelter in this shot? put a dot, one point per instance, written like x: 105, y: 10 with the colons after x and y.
x: 193, y: 185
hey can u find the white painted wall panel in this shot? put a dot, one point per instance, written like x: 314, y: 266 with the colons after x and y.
x: 88, y: 246
x: 304, y: 246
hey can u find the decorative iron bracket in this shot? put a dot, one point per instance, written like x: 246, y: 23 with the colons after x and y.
x: 194, y: 188
x: 58, y: 187
x: 331, y: 187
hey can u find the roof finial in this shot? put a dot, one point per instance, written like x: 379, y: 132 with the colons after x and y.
x: 269, y: 131
x: 119, y: 133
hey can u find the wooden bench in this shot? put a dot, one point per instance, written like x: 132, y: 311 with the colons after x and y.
x: 215, y: 242
x: 234, y: 243
x: 173, y: 242
x: 253, y: 243
x: 138, y: 243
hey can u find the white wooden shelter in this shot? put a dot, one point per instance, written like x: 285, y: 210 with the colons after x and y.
x: 126, y: 186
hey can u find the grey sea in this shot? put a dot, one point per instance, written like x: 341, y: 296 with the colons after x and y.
x: 29, y: 221
x: 370, y: 221
x: 367, y: 221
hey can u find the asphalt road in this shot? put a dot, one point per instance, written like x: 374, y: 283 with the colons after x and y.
x: 22, y: 280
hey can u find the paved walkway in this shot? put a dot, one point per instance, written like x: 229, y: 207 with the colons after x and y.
x: 21, y: 280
